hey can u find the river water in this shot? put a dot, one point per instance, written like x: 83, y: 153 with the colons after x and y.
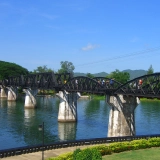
x: 19, y: 126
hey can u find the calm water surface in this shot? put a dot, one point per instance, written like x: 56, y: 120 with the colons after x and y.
x: 19, y: 126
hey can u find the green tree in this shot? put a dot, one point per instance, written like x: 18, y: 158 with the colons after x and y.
x: 66, y: 67
x: 42, y: 69
x: 121, y: 77
x: 8, y: 69
x: 150, y: 70
x: 90, y: 75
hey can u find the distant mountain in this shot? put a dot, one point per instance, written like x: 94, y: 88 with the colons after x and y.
x: 133, y: 73
x: 76, y: 74
x: 101, y: 74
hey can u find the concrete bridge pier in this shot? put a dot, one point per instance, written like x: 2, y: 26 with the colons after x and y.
x: 30, y: 100
x: 67, y: 106
x: 4, y: 92
x: 121, y: 116
x: 12, y: 93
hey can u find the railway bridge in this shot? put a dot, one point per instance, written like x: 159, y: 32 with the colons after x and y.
x: 122, y: 98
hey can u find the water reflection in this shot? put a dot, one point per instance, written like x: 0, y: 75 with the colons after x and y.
x: 3, y: 102
x: 67, y: 131
x: 11, y: 103
x: 19, y: 125
x: 28, y: 114
x: 147, y: 116
x: 92, y: 108
x: 91, y: 119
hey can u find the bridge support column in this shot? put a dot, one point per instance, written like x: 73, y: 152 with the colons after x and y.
x: 30, y: 100
x: 121, y: 116
x: 12, y: 93
x: 67, y: 106
x: 4, y: 92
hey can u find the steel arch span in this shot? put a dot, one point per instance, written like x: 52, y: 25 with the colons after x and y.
x: 145, y: 86
x: 83, y: 84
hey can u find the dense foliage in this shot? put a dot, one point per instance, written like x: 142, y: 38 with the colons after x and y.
x: 90, y: 75
x: 87, y: 154
x: 121, y: 77
x: 42, y: 69
x: 66, y: 67
x: 150, y: 70
x: 8, y: 69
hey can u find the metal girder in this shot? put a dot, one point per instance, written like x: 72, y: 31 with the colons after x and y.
x: 150, y: 86
x: 48, y: 80
x: 144, y: 86
x: 83, y: 84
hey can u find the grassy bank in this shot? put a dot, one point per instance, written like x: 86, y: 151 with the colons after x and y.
x: 98, y: 97
x: 142, y: 154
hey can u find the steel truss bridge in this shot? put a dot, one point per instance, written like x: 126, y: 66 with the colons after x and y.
x: 150, y: 88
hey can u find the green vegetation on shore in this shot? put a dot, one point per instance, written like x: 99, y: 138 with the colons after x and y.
x: 99, y: 97
x: 94, y: 96
x: 111, y: 149
x: 149, y: 99
x: 46, y: 92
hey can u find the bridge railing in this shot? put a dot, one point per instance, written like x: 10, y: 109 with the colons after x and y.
x: 108, y: 83
x: 37, y: 148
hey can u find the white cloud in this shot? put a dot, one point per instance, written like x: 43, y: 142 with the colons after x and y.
x: 90, y: 47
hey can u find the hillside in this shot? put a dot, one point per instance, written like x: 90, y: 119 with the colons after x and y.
x: 133, y: 73
x: 101, y: 74
x: 76, y: 74
x: 8, y: 69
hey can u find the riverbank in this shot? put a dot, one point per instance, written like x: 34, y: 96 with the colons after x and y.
x: 150, y: 99
x: 142, y: 154
x: 47, y: 154
x: 106, y: 149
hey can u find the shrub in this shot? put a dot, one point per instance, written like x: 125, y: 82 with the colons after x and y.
x: 96, y: 152
x: 96, y: 155
x: 155, y: 142
x: 76, y: 152
x: 106, y: 151
x: 87, y: 154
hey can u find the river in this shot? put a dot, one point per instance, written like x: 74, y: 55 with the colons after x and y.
x: 19, y: 126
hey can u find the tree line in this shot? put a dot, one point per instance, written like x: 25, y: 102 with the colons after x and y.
x: 8, y: 69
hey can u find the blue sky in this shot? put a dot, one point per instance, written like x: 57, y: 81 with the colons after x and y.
x: 95, y: 35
